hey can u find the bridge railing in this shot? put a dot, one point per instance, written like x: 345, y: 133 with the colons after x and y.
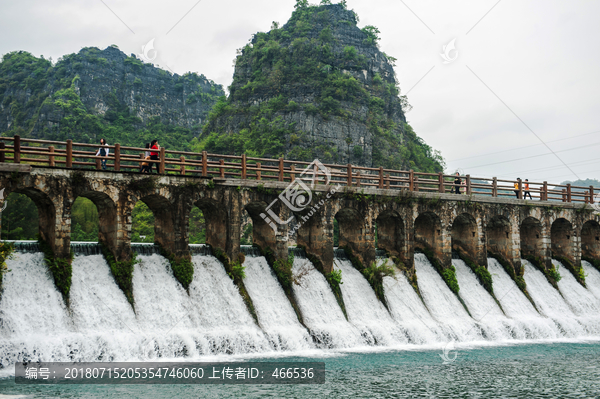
x: 122, y: 158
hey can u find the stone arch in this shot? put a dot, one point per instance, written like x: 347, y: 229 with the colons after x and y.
x: 107, y: 217
x: 590, y: 239
x: 561, y: 234
x: 46, y: 215
x: 531, y: 234
x: 391, y: 234
x: 164, y: 227
x: 428, y: 233
x: 216, y: 218
x: 499, y: 236
x: 355, y: 235
x: 263, y: 234
x: 465, y: 235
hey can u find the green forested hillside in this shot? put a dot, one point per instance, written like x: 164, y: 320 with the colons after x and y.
x: 101, y: 94
x: 317, y: 87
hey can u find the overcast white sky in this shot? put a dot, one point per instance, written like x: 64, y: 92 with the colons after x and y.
x: 529, y: 67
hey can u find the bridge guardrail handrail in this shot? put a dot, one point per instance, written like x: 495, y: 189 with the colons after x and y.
x: 67, y: 153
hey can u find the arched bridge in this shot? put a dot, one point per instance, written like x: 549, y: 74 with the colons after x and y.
x: 402, y: 210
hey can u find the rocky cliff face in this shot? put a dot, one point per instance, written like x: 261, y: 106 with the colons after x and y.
x: 317, y: 87
x: 86, y: 94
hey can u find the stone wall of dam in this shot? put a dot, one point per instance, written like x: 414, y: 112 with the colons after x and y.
x: 401, y: 222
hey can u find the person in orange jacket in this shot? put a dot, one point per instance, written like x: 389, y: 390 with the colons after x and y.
x: 526, y: 188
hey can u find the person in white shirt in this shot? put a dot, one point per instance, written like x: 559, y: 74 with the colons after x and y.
x: 103, y: 152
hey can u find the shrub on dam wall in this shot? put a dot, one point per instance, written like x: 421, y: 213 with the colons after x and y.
x: 61, y: 269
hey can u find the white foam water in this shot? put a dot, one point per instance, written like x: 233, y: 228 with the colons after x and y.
x: 213, y: 319
x: 33, y: 316
x: 320, y: 311
x: 592, y: 278
x: 443, y: 304
x: 409, y: 312
x: 276, y: 316
x: 550, y: 303
x: 584, y: 304
x: 516, y: 305
x: 482, y: 306
x: 365, y: 311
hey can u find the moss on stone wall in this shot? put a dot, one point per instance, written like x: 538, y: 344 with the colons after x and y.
x: 577, y: 272
x: 334, y: 279
x: 6, y: 251
x: 483, y: 275
x: 122, y: 271
x: 448, y: 273
x: 183, y: 269
x: 237, y: 276
x: 61, y: 269
x: 283, y: 271
x: 373, y: 274
x: 592, y: 261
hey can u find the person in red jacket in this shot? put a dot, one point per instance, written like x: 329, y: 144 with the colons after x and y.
x: 154, y: 147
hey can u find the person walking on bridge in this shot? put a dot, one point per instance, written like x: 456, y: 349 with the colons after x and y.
x: 103, y: 152
x: 517, y: 187
x: 457, y: 183
x: 154, y: 154
x: 526, y: 188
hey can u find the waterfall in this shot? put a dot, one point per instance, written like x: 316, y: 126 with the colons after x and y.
x: 409, y: 312
x: 33, y: 316
x: 482, y: 306
x: 583, y: 303
x: 365, y: 311
x: 443, y: 304
x: 321, y: 313
x: 211, y: 318
x: 516, y: 305
x: 549, y: 302
x: 592, y: 278
x: 275, y: 313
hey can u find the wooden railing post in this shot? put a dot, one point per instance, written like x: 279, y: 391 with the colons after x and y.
x: 17, y: 149
x: 520, y: 189
x: 161, y: 166
x: 545, y: 191
x: 468, y: 179
x: 411, y: 180
x: 69, y: 159
x: 293, y: 175
x: 586, y: 198
x: 591, y: 194
x: 281, y: 169
x: 349, y: 172
x: 387, y: 182
x: 51, y: 162
x: 98, y: 165
x: 243, y: 166
x: 494, y: 187
x: 358, y: 178
x: 2, y: 154
x: 117, y: 157
x: 204, y: 164
x: 381, y: 177
x: 441, y: 187
x: 564, y: 195
x: 316, y: 174
x: 222, y: 168
x: 182, y: 167
x: 258, y: 171
x: 568, y: 192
